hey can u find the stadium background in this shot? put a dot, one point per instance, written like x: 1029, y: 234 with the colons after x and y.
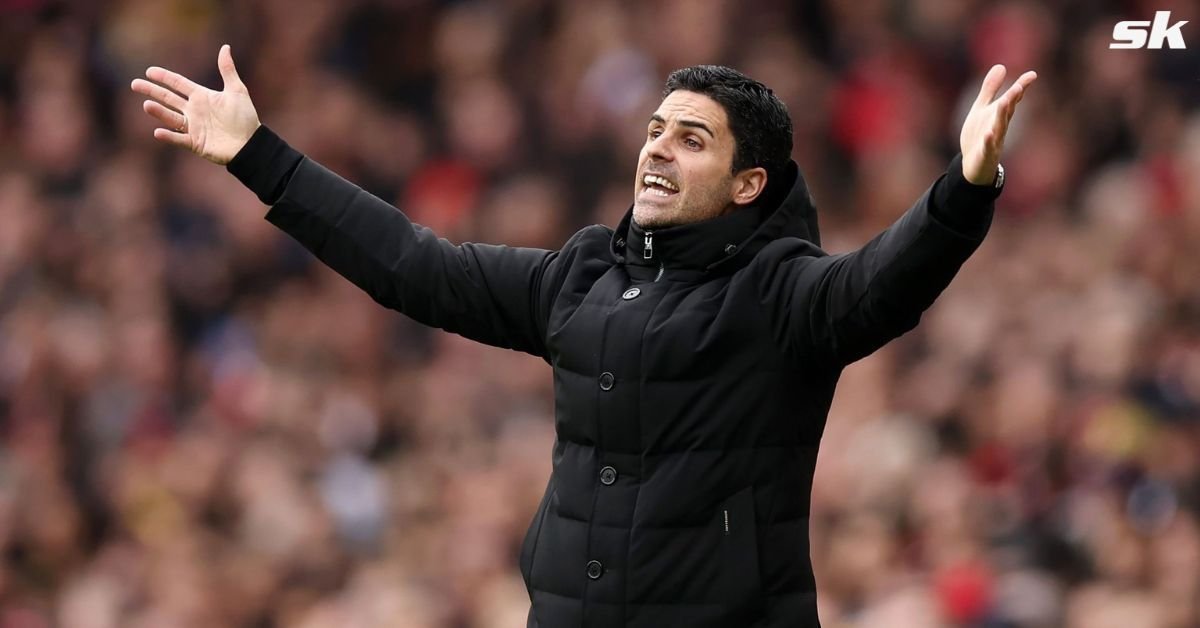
x: 199, y: 426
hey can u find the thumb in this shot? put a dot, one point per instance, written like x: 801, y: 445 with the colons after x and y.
x: 229, y: 74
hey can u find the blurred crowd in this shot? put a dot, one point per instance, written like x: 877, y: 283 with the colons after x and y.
x: 202, y: 426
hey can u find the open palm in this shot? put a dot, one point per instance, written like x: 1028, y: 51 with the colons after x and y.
x: 212, y: 124
x: 982, y: 138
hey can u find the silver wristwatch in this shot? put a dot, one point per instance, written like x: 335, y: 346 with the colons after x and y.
x: 999, y: 176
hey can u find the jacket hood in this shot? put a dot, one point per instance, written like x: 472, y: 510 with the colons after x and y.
x: 784, y: 209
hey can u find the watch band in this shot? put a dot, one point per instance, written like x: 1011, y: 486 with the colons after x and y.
x: 999, y: 176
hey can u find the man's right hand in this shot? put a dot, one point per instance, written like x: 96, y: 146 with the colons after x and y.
x: 214, y: 125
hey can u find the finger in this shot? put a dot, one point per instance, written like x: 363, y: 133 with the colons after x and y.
x: 1027, y: 79
x: 229, y: 73
x: 1008, y: 102
x: 1000, y: 121
x: 991, y: 85
x: 170, y: 118
x: 159, y: 93
x: 996, y: 137
x: 177, y: 82
x: 173, y: 138
x: 1017, y: 91
x: 1012, y: 107
x: 1002, y: 126
x: 1015, y: 95
x: 1021, y: 96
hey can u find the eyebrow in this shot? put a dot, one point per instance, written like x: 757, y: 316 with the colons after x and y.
x: 695, y: 124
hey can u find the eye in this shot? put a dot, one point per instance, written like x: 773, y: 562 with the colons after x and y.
x: 692, y: 143
x: 654, y: 133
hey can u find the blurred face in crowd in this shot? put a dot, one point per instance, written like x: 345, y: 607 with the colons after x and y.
x: 684, y: 171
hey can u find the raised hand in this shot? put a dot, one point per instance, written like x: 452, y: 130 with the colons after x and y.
x: 982, y: 138
x: 212, y: 124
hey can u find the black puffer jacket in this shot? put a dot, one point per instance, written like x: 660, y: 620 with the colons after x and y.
x: 693, y: 371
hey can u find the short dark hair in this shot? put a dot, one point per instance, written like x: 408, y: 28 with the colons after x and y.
x: 761, y: 126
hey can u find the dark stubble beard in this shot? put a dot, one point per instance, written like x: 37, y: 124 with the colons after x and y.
x: 711, y: 202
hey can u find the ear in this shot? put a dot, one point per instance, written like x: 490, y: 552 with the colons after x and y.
x: 748, y: 184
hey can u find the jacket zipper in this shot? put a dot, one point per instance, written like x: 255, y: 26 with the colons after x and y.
x: 726, y: 521
x: 648, y: 253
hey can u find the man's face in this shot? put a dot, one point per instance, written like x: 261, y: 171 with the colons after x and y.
x: 690, y: 145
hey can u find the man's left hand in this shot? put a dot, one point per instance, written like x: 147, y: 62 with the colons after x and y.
x: 983, y: 131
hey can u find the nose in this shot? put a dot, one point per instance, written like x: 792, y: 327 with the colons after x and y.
x: 658, y: 149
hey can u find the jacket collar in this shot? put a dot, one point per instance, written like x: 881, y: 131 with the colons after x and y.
x: 694, y: 246
x: 729, y: 241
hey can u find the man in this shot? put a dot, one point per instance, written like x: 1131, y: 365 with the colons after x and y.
x: 694, y: 349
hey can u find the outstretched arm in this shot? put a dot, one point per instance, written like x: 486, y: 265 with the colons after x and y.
x: 493, y: 294
x: 844, y: 307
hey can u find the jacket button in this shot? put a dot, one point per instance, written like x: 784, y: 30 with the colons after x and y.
x: 607, y: 380
x: 631, y: 294
x: 608, y: 475
x: 594, y: 569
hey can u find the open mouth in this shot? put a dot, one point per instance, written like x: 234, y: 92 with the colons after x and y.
x: 658, y: 185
